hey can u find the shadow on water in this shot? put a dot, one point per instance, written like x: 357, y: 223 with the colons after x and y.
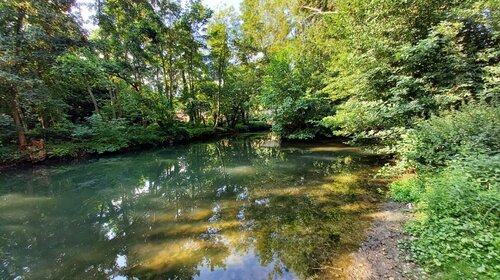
x: 236, y: 208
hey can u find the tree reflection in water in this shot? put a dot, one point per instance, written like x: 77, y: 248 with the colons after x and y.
x: 235, y: 208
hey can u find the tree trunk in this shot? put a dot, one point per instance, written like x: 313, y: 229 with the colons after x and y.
x: 244, y: 119
x: 217, y: 106
x: 234, y: 120
x: 171, y: 89
x: 21, y: 132
x: 164, y: 71
x: 171, y: 72
x: 96, y: 108
x: 42, y: 122
x: 219, y: 88
x: 13, y: 104
x: 112, y: 100
x: 185, y: 83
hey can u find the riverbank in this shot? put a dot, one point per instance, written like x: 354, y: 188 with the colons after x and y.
x: 69, y: 149
x: 379, y: 256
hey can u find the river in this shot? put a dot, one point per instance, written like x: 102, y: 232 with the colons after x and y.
x: 242, y: 207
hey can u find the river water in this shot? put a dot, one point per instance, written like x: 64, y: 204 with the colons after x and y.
x: 243, y: 207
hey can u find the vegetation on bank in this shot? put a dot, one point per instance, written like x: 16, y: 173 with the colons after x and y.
x: 97, y: 136
x: 456, y: 188
x: 420, y: 77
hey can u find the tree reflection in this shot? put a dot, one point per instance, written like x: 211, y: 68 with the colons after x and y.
x: 180, y: 212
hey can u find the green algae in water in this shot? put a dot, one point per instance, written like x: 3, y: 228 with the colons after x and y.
x: 237, y: 208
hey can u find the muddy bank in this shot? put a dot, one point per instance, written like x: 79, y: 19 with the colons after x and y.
x: 379, y: 256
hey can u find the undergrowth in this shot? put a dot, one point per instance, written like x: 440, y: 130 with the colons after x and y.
x: 455, y: 164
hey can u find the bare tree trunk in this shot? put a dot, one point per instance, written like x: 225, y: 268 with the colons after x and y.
x: 171, y: 72
x: 243, y: 116
x: 42, y: 122
x: 234, y: 120
x: 21, y: 131
x: 185, y: 83
x: 171, y: 89
x: 217, y: 106
x: 219, y: 88
x: 191, y: 76
x: 164, y: 71
x: 13, y: 104
x: 96, y: 108
x: 112, y: 100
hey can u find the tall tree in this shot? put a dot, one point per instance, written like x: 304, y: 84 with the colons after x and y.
x: 219, y: 41
x: 33, y: 33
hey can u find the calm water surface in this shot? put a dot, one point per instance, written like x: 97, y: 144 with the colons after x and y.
x: 237, y: 208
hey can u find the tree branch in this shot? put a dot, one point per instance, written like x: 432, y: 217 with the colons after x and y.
x: 318, y: 11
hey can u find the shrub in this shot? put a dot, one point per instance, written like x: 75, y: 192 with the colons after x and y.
x: 253, y: 126
x: 102, y: 136
x: 301, y: 118
x: 9, y: 153
x: 461, y: 216
x: 433, y: 143
x: 7, y: 128
x: 241, y: 127
x: 456, y: 188
x: 59, y: 133
x: 200, y: 132
x: 140, y: 135
x: 408, y: 189
x: 62, y: 150
x: 258, y: 126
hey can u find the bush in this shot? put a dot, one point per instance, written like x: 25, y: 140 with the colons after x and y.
x: 433, y: 143
x: 456, y: 188
x: 241, y: 127
x: 63, y: 150
x: 301, y: 119
x: 102, y: 136
x: 253, y: 126
x: 200, y: 132
x: 7, y: 128
x: 60, y: 133
x: 9, y: 153
x: 461, y: 217
x: 259, y: 125
x: 407, y: 190
x: 140, y: 135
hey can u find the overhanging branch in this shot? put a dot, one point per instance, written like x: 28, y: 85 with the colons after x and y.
x: 318, y: 11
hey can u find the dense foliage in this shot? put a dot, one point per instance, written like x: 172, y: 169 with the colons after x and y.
x: 149, y: 72
x: 434, y: 143
x: 458, y: 230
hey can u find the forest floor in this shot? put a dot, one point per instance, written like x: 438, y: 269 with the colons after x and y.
x: 379, y: 256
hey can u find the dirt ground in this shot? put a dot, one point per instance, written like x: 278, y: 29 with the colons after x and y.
x: 379, y: 256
